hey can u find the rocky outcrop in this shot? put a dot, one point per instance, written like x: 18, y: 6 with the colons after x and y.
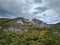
x: 19, y: 24
x: 38, y: 23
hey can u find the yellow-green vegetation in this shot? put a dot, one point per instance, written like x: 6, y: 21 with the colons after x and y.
x: 3, y: 20
x: 31, y: 37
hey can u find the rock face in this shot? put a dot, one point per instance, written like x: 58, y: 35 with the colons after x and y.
x: 38, y: 23
x: 19, y: 24
x: 20, y: 20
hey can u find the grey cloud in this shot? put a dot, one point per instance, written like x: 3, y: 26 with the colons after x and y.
x: 9, y: 6
x: 50, y: 4
x: 53, y: 4
x: 15, y: 8
x: 41, y: 9
x: 38, y: 1
x: 36, y: 12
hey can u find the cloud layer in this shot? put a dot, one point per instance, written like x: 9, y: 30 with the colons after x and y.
x: 54, y: 13
x: 14, y: 8
x: 46, y: 10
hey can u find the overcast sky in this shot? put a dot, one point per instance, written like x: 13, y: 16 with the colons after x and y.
x: 46, y: 10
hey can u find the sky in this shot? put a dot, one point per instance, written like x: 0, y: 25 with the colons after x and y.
x: 45, y: 10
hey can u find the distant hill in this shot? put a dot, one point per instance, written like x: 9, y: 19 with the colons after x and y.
x: 56, y: 26
x: 21, y: 31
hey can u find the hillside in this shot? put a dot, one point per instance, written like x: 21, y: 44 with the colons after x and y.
x: 31, y: 37
x: 21, y: 31
x: 3, y: 20
x: 20, y: 24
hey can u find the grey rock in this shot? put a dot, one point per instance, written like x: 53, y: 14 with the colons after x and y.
x: 38, y: 23
x: 17, y: 24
